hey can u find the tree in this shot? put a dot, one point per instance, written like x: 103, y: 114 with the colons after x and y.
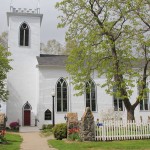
x: 4, y: 39
x: 52, y: 47
x: 110, y: 39
x: 70, y: 44
x: 4, y: 69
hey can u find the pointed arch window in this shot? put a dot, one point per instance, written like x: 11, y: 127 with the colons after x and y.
x: 27, y: 106
x: 144, y: 103
x: 91, y: 95
x: 24, y: 35
x: 118, y: 102
x: 48, y: 115
x: 62, y: 95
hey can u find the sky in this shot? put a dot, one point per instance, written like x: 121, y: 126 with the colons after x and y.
x: 49, y: 28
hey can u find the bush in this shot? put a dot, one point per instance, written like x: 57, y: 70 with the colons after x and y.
x: 14, y: 125
x: 74, y: 136
x: 7, y: 128
x: 2, y: 134
x: 44, y: 126
x: 60, y: 131
x: 47, y: 126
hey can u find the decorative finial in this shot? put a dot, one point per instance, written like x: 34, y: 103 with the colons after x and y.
x: 38, y: 6
x: 11, y: 5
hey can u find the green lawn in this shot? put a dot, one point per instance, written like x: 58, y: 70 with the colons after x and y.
x: 114, y: 145
x: 14, y: 142
x: 46, y: 132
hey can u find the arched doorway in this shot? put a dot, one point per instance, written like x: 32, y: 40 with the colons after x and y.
x: 27, y: 114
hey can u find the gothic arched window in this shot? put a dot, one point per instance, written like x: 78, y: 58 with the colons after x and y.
x: 91, y: 95
x: 118, y: 102
x: 62, y: 96
x: 27, y: 106
x: 24, y: 35
x: 144, y: 103
x: 48, y: 115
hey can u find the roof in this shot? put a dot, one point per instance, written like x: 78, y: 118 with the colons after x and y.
x: 59, y: 60
x: 51, y: 60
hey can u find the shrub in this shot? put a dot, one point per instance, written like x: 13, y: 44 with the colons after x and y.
x: 74, y: 136
x: 44, y: 126
x: 7, y: 128
x: 47, y: 126
x: 14, y: 125
x: 60, y: 131
x: 2, y: 138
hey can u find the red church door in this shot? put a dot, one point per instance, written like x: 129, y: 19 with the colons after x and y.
x: 27, y: 117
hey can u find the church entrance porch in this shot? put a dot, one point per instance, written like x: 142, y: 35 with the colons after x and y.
x: 27, y: 114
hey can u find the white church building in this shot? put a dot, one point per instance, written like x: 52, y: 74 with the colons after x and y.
x: 35, y: 76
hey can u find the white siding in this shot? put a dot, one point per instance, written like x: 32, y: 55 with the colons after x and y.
x: 47, y: 81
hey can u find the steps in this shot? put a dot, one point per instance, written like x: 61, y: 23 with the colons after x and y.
x: 24, y: 129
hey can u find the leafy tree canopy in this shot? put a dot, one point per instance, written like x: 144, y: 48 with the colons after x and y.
x: 4, y: 69
x: 112, y: 38
x: 52, y: 47
x: 4, y: 39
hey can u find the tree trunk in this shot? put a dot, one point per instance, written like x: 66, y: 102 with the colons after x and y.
x: 130, y: 114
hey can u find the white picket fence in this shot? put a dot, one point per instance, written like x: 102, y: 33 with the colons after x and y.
x: 119, y: 130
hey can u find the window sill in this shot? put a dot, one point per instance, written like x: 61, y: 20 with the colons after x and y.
x: 24, y: 46
x: 95, y: 111
x: 61, y: 112
x: 144, y: 110
x: 119, y: 110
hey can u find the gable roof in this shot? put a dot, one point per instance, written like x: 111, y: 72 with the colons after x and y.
x: 51, y: 60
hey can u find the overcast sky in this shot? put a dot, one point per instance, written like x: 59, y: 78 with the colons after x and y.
x: 47, y: 8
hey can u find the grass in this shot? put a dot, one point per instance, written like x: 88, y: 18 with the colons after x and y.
x: 113, y: 145
x: 46, y: 132
x: 14, y: 141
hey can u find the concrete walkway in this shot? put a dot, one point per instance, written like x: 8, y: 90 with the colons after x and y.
x: 33, y: 141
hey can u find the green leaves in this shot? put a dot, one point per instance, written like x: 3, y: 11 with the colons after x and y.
x: 110, y: 37
x: 4, y: 69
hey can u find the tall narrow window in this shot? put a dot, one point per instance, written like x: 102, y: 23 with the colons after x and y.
x: 90, y: 95
x: 62, y: 97
x: 118, y: 103
x: 24, y: 35
x: 48, y: 115
x: 144, y: 104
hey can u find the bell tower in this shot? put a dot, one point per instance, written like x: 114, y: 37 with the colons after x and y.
x: 24, y: 44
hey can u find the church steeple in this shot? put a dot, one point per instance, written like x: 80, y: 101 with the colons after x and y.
x: 24, y: 26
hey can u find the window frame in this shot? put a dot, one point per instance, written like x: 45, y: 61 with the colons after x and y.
x: 143, y: 102
x: 47, y: 115
x: 61, y: 97
x: 118, y: 102
x: 24, y: 39
x: 90, y: 93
